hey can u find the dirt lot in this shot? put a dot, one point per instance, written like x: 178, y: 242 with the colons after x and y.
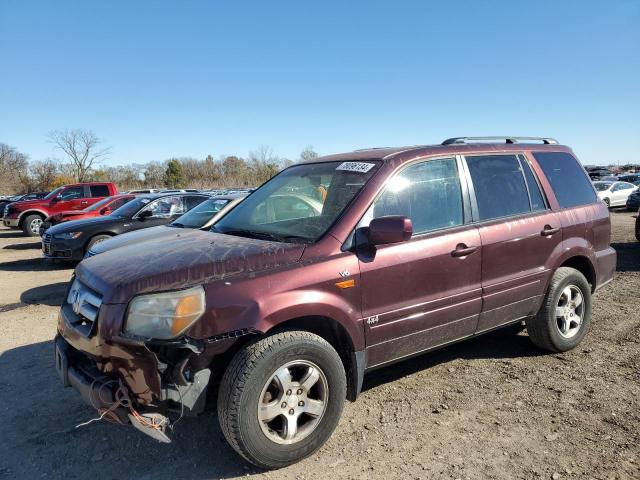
x: 494, y: 407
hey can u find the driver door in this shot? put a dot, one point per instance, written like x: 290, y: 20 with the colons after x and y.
x: 72, y: 198
x: 427, y: 291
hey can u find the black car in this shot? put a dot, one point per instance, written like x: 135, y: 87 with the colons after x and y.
x: 70, y: 240
x: 633, y: 200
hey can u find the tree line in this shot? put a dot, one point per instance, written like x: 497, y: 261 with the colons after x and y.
x: 83, y: 154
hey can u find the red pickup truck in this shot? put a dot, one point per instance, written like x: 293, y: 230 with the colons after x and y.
x: 30, y: 214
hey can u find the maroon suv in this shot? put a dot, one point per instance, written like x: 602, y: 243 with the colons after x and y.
x: 331, y: 269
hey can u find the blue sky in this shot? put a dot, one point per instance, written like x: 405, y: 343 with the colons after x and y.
x: 160, y: 79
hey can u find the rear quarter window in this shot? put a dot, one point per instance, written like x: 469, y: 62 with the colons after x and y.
x: 568, y: 179
x: 99, y: 190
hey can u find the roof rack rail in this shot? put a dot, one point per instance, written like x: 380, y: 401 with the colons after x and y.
x: 459, y: 140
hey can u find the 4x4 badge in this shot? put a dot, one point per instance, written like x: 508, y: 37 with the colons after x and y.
x: 372, y: 320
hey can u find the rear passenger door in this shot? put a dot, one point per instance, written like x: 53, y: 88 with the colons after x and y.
x: 424, y: 292
x: 95, y: 193
x: 518, y: 232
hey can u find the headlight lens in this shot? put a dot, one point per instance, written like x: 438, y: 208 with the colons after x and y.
x: 165, y: 315
x: 67, y: 235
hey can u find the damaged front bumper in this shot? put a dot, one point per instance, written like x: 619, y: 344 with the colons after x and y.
x: 157, y: 379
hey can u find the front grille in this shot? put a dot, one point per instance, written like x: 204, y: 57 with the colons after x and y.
x: 46, y: 244
x: 85, y: 304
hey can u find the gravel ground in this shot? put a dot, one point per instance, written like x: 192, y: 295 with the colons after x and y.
x: 493, y: 407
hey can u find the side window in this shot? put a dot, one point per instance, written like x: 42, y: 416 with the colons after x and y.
x: 568, y: 179
x: 166, y: 207
x: 118, y: 203
x: 72, y: 193
x: 99, y: 190
x: 428, y: 192
x: 499, y: 186
x: 535, y: 194
x: 193, y: 200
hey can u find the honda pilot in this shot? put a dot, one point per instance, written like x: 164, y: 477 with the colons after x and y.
x: 330, y: 270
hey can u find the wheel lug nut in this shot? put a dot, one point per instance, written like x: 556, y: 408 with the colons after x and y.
x: 284, y: 405
x: 301, y: 403
x: 288, y: 392
x: 299, y: 391
x: 291, y: 412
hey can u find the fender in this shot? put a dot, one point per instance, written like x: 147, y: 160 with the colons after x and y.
x: 288, y: 305
x: 30, y: 212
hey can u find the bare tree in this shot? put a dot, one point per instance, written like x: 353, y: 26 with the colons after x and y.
x: 308, y: 154
x: 42, y: 175
x: 13, y: 169
x: 82, y: 147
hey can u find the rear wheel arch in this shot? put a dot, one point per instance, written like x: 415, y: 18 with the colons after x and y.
x: 584, y: 266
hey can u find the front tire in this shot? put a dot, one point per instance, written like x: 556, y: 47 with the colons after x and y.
x: 95, y: 240
x: 31, y: 225
x: 281, y: 398
x: 565, y: 315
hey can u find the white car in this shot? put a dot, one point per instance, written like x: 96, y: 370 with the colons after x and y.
x: 614, y: 194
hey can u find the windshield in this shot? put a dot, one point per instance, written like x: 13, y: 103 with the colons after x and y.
x: 201, y: 213
x: 54, y: 193
x: 98, y: 205
x: 602, y: 186
x: 299, y: 204
x: 131, y: 208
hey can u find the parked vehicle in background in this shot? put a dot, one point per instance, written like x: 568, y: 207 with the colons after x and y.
x: 598, y: 173
x: 287, y: 313
x: 29, y: 215
x: 638, y: 225
x: 104, y: 207
x: 18, y: 198
x: 143, y: 190
x: 71, y: 240
x: 614, y: 194
x: 202, y: 217
x: 630, y: 177
x: 633, y: 200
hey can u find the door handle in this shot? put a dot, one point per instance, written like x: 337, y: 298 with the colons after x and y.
x: 548, y: 230
x: 462, y: 250
x: 83, y: 202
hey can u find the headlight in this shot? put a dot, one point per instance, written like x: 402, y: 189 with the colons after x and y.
x: 165, y: 315
x: 67, y: 236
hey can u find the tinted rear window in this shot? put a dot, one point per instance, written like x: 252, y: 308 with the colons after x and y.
x: 99, y: 191
x: 568, y: 179
x: 499, y: 185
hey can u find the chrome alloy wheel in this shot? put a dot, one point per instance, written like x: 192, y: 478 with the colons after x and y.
x: 569, y: 311
x: 293, y: 402
x: 35, y: 224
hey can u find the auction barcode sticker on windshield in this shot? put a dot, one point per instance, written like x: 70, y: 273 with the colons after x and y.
x: 361, y: 167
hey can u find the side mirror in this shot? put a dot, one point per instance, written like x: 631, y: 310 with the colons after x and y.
x: 145, y: 214
x: 55, y: 199
x: 390, y: 229
x: 105, y: 211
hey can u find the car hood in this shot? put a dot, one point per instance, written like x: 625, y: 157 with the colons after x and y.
x: 25, y: 204
x: 160, y: 233
x: 85, y: 223
x: 198, y: 257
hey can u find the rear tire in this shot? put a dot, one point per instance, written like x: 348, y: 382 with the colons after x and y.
x: 31, y: 225
x: 281, y: 398
x: 565, y: 315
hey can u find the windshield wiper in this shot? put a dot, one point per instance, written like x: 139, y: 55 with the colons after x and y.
x: 177, y: 224
x: 251, y: 234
